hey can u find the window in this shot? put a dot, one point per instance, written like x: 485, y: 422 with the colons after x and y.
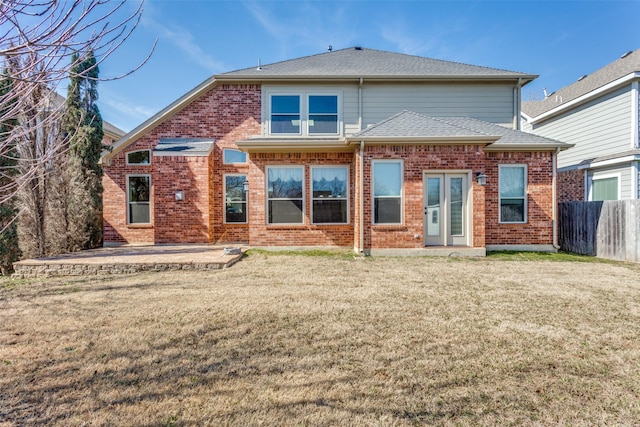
x: 513, y: 193
x: 387, y: 191
x: 235, y: 199
x: 605, y: 188
x: 141, y: 157
x: 138, y: 194
x: 285, y: 194
x: 285, y: 114
x: 230, y: 155
x: 323, y: 114
x: 329, y: 195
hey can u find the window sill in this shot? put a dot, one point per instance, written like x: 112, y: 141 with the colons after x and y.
x: 140, y: 226
x: 390, y: 227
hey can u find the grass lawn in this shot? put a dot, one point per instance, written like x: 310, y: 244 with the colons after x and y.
x: 328, y: 340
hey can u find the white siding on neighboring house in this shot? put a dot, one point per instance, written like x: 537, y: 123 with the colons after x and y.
x: 490, y: 102
x: 624, y: 174
x: 598, y: 128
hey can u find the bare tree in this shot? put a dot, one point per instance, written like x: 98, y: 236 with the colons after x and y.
x: 37, y: 41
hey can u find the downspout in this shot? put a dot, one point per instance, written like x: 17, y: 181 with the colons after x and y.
x: 361, y: 233
x: 554, y: 197
x: 517, y: 105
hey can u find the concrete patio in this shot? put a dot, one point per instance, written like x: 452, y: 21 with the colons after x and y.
x: 130, y: 259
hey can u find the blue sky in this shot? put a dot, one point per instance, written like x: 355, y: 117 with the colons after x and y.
x: 558, y: 40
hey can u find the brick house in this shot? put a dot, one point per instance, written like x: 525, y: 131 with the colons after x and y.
x: 371, y: 150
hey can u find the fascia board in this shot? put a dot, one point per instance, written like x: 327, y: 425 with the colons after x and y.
x: 157, y: 119
x: 610, y: 162
x: 528, y: 147
x: 417, y: 78
x: 586, y: 97
x: 432, y: 140
x: 297, y: 146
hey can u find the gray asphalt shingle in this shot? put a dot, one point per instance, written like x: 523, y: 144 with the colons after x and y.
x: 611, y: 72
x: 362, y: 62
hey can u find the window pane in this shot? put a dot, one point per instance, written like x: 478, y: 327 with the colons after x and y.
x: 234, y: 185
x: 236, y: 212
x: 387, y: 210
x: 329, y: 211
x: 456, y: 214
x: 605, y: 189
x: 139, y: 189
x: 285, y: 124
x: 285, y: 104
x: 285, y: 211
x: 323, y: 104
x: 512, y: 210
x: 284, y: 183
x: 234, y: 156
x: 512, y: 181
x: 329, y: 182
x: 139, y: 213
x: 387, y: 179
x: 139, y: 157
x: 323, y: 124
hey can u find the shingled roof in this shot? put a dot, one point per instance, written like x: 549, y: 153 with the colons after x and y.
x: 358, y: 62
x: 625, y: 65
x: 408, y: 124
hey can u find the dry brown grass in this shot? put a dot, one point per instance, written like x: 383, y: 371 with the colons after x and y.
x: 294, y: 340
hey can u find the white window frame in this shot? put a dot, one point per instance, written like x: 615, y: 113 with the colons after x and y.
x: 308, y: 113
x: 267, y: 198
x: 300, y: 109
x: 525, y: 196
x: 596, y: 177
x: 224, y: 201
x: 342, y: 198
x: 136, y: 175
x: 303, y: 97
x: 224, y: 161
x: 373, y: 197
x: 138, y: 164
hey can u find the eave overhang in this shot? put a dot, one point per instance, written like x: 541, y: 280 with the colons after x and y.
x: 528, y: 147
x: 268, y: 145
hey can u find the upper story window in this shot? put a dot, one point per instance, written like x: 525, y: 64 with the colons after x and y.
x: 231, y: 156
x: 323, y: 114
x: 285, y: 114
x: 304, y: 114
x: 513, y: 193
x: 140, y: 157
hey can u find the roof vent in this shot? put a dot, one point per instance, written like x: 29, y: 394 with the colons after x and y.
x: 582, y: 77
x: 330, y: 48
x: 358, y: 47
x: 259, y: 68
x: 624, y: 55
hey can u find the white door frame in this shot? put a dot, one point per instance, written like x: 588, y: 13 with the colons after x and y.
x: 445, y: 238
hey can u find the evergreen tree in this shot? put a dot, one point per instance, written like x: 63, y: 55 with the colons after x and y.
x: 9, y: 248
x: 83, y: 125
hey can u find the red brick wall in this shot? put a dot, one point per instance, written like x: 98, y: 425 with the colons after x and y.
x: 306, y: 234
x: 538, y: 228
x: 571, y: 186
x: 417, y: 160
x: 225, y: 113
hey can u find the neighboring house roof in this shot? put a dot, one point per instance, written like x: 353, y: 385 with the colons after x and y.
x: 626, y: 65
x: 183, y: 147
x: 410, y: 125
x: 356, y: 62
x: 110, y: 130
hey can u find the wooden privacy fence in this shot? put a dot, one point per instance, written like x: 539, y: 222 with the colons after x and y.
x: 609, y: 229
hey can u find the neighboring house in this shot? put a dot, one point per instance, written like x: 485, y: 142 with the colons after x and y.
x: 111, y: 132
x: 377, y: 151
x: 599, y: 115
